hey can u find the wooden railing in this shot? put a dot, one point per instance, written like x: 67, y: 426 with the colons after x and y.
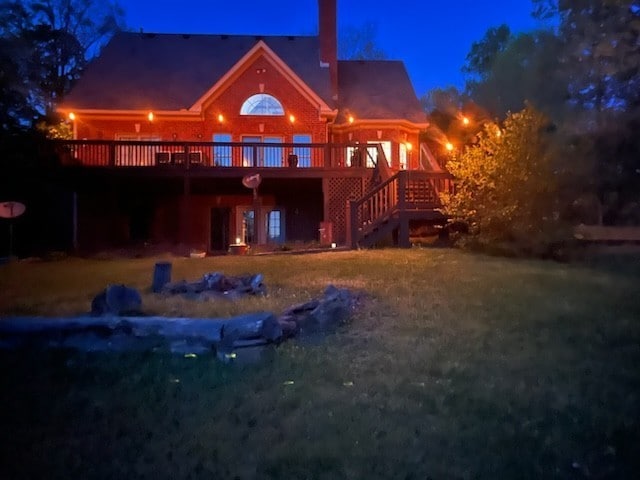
x: 406, y: 191
x: 109, y: 153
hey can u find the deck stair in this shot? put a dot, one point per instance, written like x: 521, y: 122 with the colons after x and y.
x: 386, y: 210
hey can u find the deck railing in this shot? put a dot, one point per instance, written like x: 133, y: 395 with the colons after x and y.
x: 106, y: 153
x: 406, y: 191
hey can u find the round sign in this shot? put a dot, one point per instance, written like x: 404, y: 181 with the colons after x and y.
x: 11, y: 209
x: 251, y: 181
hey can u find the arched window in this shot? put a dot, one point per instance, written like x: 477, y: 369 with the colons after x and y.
x: 261, y: 104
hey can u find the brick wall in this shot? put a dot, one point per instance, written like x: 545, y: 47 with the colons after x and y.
x: 260, y: 76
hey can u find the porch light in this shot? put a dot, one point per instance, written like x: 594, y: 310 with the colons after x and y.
x: 237, y: 240
x: 150, y: 116
x: 220, y: 118
x: 72, y: 116
x: 351, y: 119
x: 333, y: 245
x: 465, y: 121
x: 449, y: 146
x: 409, y: 146
x: 292, y: 118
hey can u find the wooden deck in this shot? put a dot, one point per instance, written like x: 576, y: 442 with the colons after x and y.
x: 359, y: 193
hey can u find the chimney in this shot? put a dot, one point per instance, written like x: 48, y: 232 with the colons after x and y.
x: 329, y: 41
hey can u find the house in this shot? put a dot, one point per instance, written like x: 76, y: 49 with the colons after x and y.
x: 190, y: 139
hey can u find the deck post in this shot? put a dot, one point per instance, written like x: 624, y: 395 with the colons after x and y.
x: 403, y: 228
x: 185, y: 213
x: 112, y: 154
x: 352, y: 224
x: 327, y: 156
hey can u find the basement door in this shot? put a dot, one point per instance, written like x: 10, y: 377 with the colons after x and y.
x: 220, y: 226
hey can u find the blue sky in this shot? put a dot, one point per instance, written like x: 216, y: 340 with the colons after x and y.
x: 432, y: 37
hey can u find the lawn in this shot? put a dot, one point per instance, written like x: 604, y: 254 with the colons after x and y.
x: 455, y: 366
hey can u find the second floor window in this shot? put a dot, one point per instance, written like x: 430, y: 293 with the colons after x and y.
x: 261, y: 104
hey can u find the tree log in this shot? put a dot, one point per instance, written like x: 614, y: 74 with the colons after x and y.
x: 110, y: 332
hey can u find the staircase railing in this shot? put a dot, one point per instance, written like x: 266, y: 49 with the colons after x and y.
x: 403, y: 192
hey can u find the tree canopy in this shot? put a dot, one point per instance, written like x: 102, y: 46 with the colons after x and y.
x: 360, y: 43
x: 45, y: 45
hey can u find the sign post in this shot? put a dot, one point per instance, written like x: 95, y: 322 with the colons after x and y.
x: 11, y: 210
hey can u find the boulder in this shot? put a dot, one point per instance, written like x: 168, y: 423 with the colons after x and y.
x: 117, y: 300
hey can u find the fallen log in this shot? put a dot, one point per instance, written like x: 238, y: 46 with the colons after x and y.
x: 112, y: 333
x: 249, y: 334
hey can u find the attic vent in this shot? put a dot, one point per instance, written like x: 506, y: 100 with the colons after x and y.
x: 186, y: 36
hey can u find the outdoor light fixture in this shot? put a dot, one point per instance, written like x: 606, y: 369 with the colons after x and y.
x: 409, y: 146
x: 237, y: 240
x: 351, y: 119
x: 449, y: 146
x: 465, y: 121
x: 220, y: 118
x: 151, y: 116
x: 292, y: 118
x: 333, y: 245
x: 72, y: 116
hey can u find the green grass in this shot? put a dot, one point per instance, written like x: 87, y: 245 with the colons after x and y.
x: 454, y: 366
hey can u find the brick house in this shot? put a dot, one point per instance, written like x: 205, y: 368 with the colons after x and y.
x: 167, y: 126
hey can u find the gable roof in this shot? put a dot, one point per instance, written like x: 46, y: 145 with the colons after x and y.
x: 171, y: 71
x: 377, y: 89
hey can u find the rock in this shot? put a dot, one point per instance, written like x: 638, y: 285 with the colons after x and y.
x: 289, y: 327
x: 332, y: 310
x: 216, y: 282
x: 117, y: 300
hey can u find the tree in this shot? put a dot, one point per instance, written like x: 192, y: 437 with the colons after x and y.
x: 483, y: 53
x: 507, y: 185
x: 360, y: 43
x: 14, y: 88
x: 599, y: 57
x: 520, y: 68
x: 599, y: 52
x: 57, y: 38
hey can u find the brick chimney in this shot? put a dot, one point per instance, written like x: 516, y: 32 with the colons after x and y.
x: 329, y: 41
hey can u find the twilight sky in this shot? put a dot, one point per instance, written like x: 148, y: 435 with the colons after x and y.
x: 432, y: 37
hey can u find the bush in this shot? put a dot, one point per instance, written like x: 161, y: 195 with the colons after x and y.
x: 507, y: 187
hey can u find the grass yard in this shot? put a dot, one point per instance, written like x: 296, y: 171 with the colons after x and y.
x: 456, y: 366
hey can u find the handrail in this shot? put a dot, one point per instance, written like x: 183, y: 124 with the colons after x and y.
x: 403, y: 192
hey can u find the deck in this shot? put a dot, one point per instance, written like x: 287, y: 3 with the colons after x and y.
x: 353, y: 185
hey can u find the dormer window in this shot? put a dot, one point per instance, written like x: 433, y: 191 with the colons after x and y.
x: 261, y: 104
